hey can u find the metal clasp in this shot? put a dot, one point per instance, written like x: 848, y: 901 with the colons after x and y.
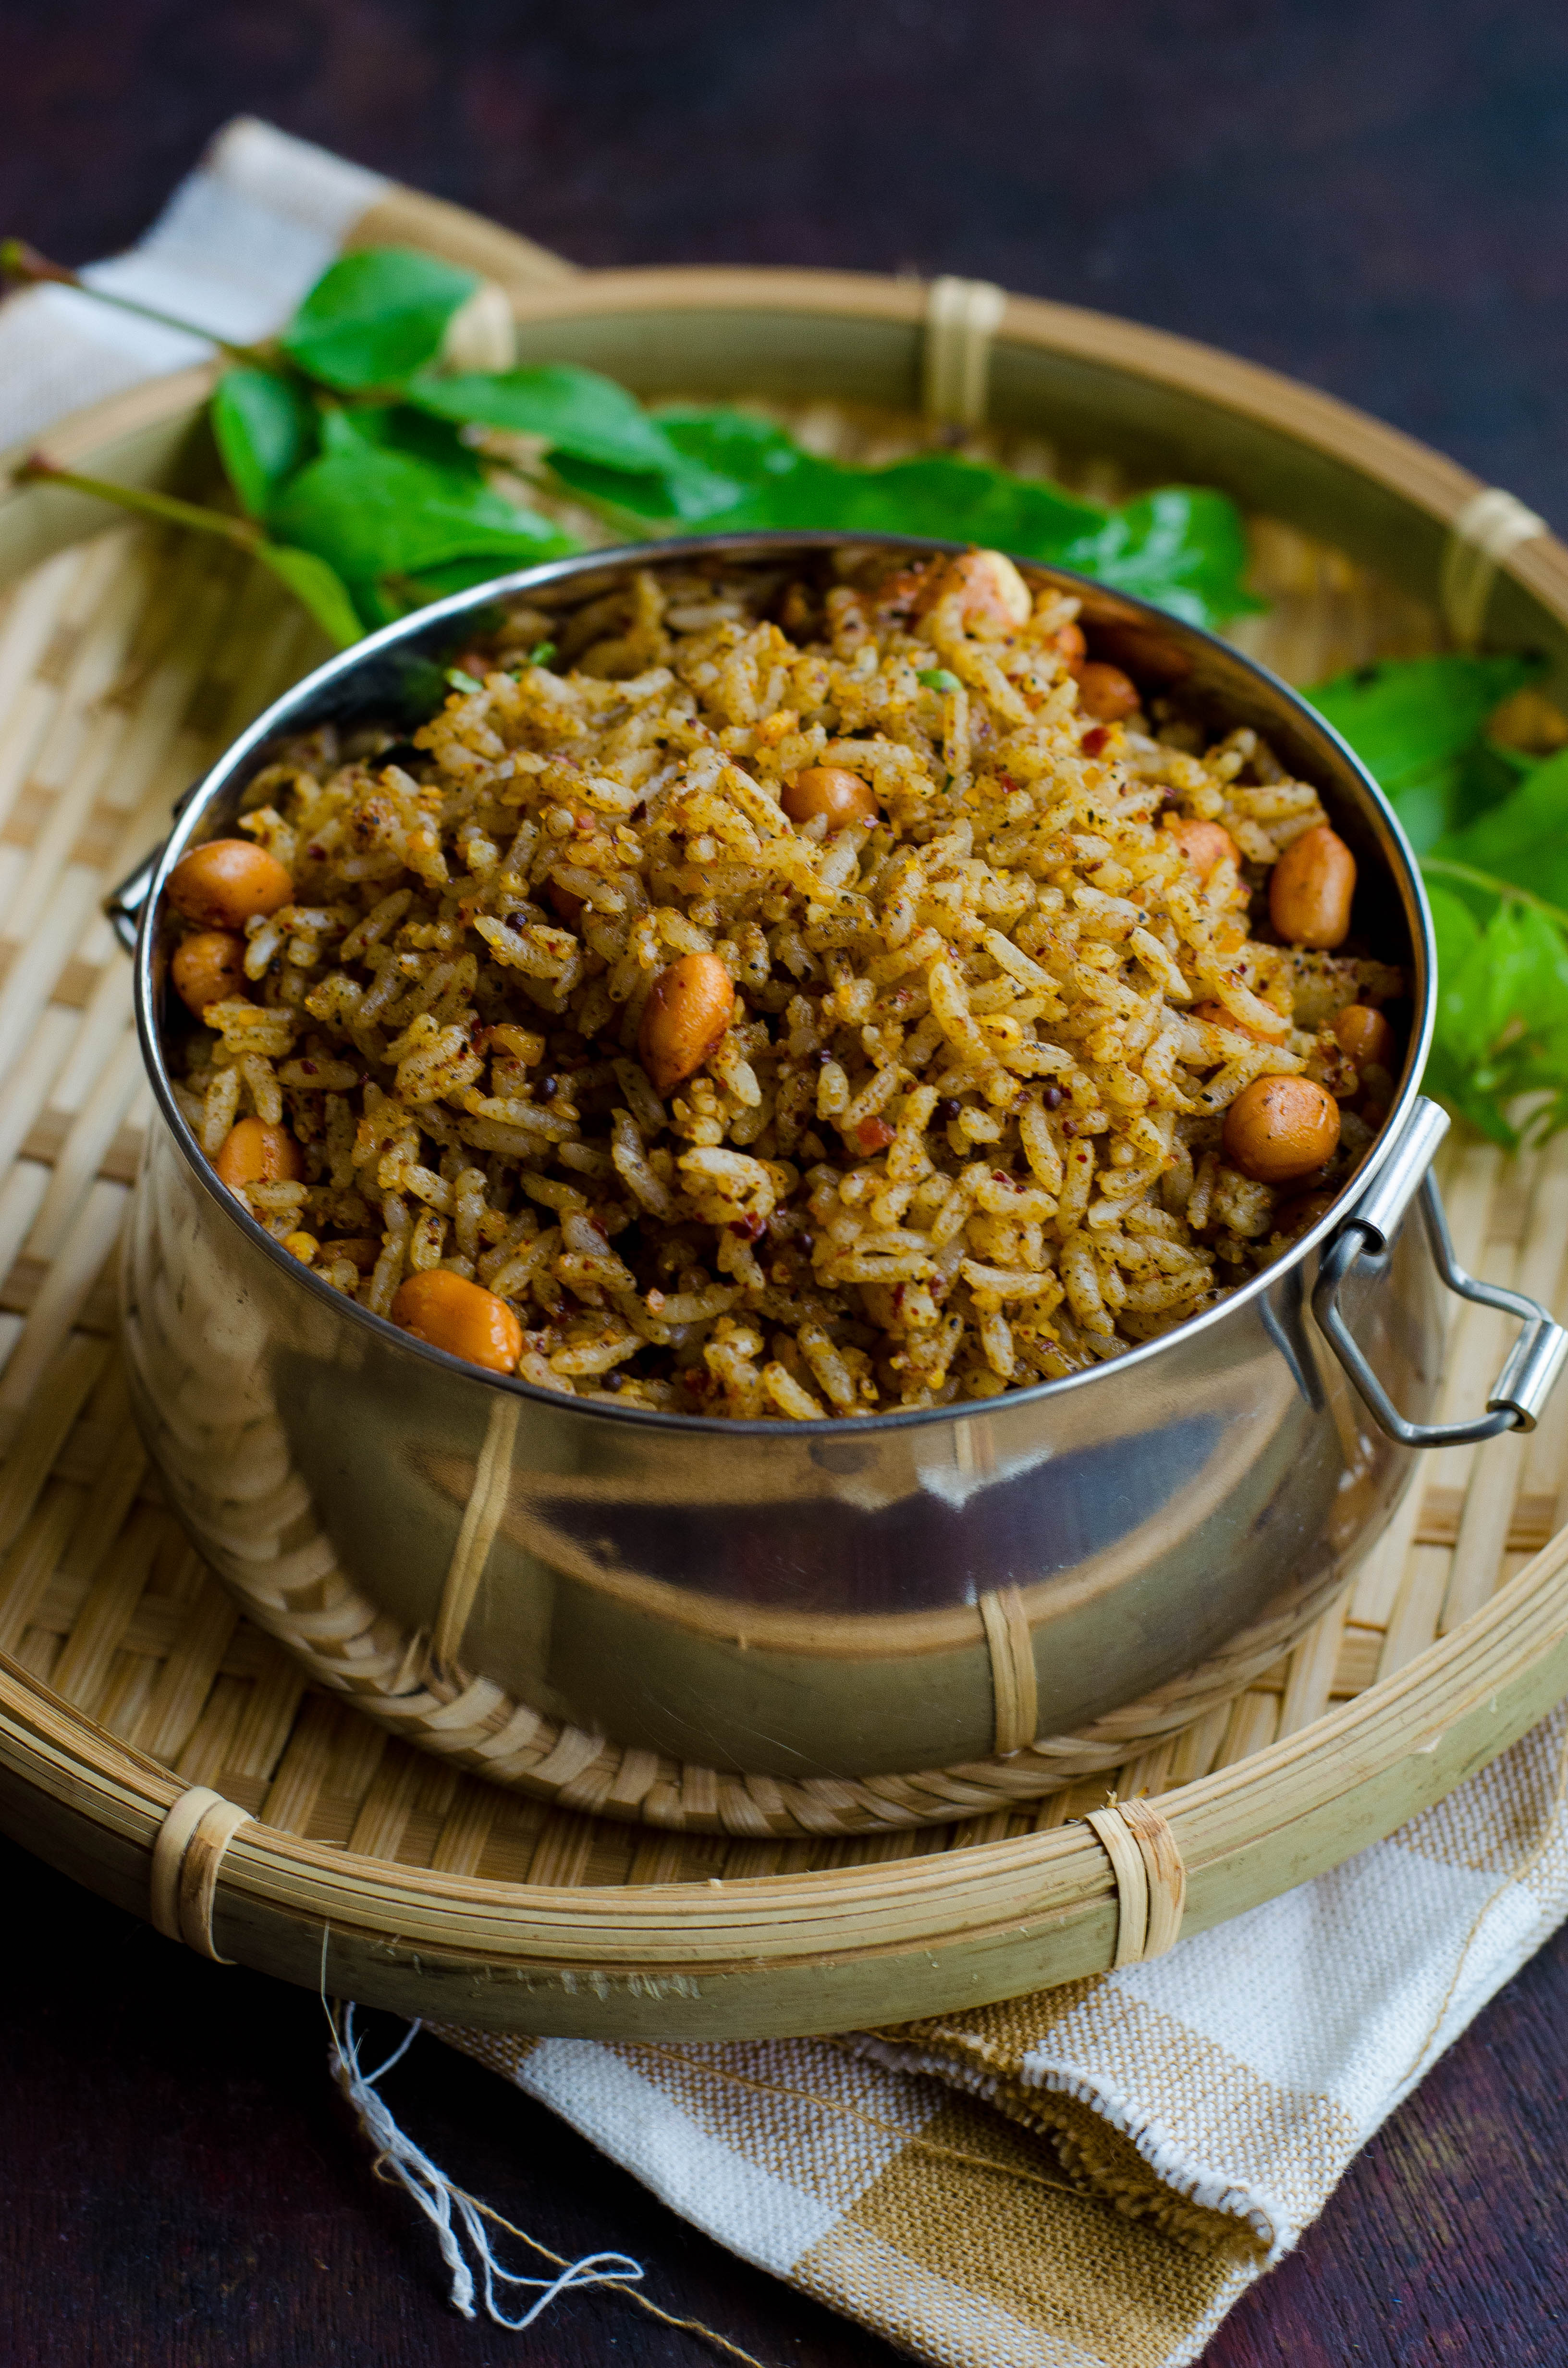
x: 1538, y: 1355
x: 123, y: 905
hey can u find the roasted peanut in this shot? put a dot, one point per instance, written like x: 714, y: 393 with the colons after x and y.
x: 568, y: 905
x: 1204, y: 844
x: 1105, y: 692
x: 227, y: 883
x: 995, y: 594
x: 1071, y: 643
x: 684, y: 1018
x: 254, y: 1152
x: 207, y: 968
x: 1218, y: 1017
x: 1279, y: 1128
x: 1364, y: 1036
x: 828, y: 789
x: 461, y: 1317
x: 1310, y: 890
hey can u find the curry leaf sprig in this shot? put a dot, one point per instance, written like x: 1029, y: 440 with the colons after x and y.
x: 373, y: 477
x: 1489, y: 822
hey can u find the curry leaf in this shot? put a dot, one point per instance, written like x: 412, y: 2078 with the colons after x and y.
x: 1183, y: 547
x: 396, y: 427
x: 576, y: 411
x: 1524, y: 839
x: 1502, y: 1016
x: 318, y: 586
x: 376, y: 512
x: 1416, y: 725
x: 452, y: 576
x: 266, y: 428
x: 375, y: 317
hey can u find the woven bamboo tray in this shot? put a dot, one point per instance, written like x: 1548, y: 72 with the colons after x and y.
x: 127, y: 1673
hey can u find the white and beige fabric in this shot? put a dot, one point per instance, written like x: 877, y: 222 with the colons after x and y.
x: 1087, y: 2178
x: 1091, y: 2176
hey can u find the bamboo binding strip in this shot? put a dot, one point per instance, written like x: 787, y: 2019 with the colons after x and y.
x: 961, y: 320
x: 1483, y: 534
x: 1150, y: 1880
x: 187, y: 1857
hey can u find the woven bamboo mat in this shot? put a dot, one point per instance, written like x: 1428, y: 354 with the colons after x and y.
x: 126, y: 664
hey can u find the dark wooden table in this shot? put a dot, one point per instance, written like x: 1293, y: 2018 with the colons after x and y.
x: 181, y: 2187
x: 1370, y: 194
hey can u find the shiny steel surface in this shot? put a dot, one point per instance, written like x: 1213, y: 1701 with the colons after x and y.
x: 1533, y: 1364
x: 779, y: 1599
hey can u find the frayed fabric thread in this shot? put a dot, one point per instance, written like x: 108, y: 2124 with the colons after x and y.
x: 457, y: 2217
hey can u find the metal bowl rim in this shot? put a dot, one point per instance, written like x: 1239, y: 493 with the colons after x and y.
x: 1397, y: 850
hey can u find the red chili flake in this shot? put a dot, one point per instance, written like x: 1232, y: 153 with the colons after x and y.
x: 874, y: 1134
x: 899, y: 1290
x: 1006, y: 781
x: 1094, y: 739
x: 749, y: 1229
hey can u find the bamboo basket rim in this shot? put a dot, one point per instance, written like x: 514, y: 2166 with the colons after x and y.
x: 1246, y: 1831
x: 1462, y: 1681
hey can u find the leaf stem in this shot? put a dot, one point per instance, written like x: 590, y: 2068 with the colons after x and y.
x: 1447, y: 869
x: 20, y: 261
x: 40, y: 470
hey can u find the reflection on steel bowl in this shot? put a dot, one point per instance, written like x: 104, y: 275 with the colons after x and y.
x: 1002, y: 894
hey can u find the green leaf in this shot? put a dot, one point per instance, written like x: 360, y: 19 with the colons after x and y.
x: 1524, y: 838
x: 375, y: 317
x: 266, y: 428
x: 322, y: 590
x: 398, y: 427
x: 452, y: 576
x: 938, y: 678
x: 576, y: 411
x: 1416, y: 725
x: 1183, y: 547
x: 376, y: 513
x: 1502, y: 1030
